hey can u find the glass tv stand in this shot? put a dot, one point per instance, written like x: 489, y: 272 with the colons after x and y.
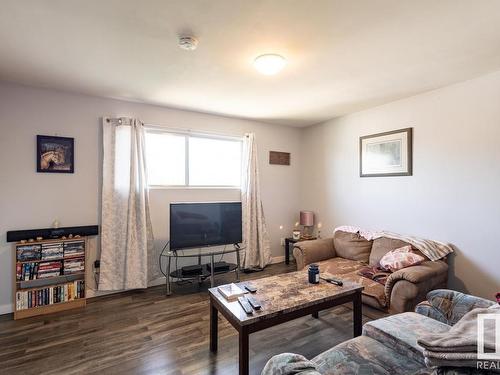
x: 206, y: 272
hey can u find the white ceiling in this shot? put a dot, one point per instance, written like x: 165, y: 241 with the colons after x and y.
x: 343, y: 56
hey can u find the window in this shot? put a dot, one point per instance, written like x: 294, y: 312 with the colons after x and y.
x: 166, y: 157
x: 214, y: 162
x: 192, y: 160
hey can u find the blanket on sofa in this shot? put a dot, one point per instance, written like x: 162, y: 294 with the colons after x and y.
x: 434, y: 250
x: 374, y: 273
x: 459, y: 346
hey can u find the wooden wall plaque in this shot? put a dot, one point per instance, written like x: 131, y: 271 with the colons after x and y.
x: 279, y: 158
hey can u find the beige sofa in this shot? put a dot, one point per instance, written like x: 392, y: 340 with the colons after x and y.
x: 345, y: 254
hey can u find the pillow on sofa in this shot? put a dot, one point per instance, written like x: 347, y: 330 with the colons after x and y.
x: 400, y: 258
x: 382, y: 246
x: 352, y: 246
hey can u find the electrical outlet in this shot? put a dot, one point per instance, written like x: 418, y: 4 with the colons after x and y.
x: 282, y: 241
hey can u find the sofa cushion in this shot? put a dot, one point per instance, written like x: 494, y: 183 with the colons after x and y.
x: 382, y: 246
x: 364, y: 355
x: 339, y: 266
x: 346, y: 269
x: 399, y: 332
x: 371, y: 289
x: 352, y: 246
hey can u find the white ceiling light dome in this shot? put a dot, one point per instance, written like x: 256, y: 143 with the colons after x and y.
x: 269, y: 64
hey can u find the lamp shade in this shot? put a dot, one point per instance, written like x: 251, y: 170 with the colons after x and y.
x: 307, y: 218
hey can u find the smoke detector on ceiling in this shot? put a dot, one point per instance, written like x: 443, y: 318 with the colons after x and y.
x: 188, y: 43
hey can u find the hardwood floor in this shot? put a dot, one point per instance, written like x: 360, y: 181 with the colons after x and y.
x: 145, y: 332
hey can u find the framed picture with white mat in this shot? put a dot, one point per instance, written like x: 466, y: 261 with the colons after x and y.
x: 386, y: 154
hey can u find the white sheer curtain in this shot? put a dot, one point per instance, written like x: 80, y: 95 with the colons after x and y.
x: 126, y: 235
x: 255, y: 236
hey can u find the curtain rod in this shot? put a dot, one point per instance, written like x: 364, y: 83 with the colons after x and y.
x: 192, y: 131
x: 184, y: 130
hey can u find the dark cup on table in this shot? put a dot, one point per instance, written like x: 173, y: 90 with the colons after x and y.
x: 313, y: 273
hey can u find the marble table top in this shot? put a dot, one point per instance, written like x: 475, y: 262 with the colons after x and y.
x: 285, y: 293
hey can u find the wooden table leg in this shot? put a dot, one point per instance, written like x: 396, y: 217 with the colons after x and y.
x: 213, y: 327
x: 237, y: 270
x: 287, y: 251
x: 244, y: 347
x: 212, y: 271
x: 357, y: 314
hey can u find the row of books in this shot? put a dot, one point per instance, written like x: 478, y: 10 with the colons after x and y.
x: 74, y: 265
x: 75, y: 248
x: 26, y: 271
x: 50, y: 251
x: 28, y: 252
x: 43, y: 270
x: 49, y: 269
x: 50, y: 295
x: 33, y: 271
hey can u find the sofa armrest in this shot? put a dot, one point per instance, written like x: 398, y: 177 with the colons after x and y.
x: 449, y: 306
x: 409, y: 286
x: 288, y: 364
x: 307, y: 252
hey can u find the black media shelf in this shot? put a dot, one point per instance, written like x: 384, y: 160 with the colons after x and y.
x: 198, y: 253
x: 205, y: 272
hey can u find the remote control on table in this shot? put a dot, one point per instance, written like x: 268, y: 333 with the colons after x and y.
x: 246, y: 306
x: 250, y: 288
x: 253, y: 302
x: 331, y: 280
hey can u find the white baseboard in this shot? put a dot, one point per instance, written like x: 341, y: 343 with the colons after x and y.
x: 6, y: 308
x: 279, y: 259
x: 9, y: 307
x: 159, y: 281
x: 97, y: 293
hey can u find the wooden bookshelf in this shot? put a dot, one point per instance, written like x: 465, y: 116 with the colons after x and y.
x: 64, y: 286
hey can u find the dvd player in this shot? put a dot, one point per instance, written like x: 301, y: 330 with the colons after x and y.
x: 219, y: 266
x: 191, y: 270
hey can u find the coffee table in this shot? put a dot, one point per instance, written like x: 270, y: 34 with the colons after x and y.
x: 283, y: 298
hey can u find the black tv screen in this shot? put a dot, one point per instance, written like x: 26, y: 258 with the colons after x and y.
x: 204, y: 224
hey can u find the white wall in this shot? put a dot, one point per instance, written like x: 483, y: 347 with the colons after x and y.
x: 33, y: 200
x: 453, y: 195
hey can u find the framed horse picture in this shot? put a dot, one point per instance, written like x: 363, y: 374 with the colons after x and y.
x: 55, y: 154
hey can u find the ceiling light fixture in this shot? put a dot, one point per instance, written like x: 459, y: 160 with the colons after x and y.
x: 269, y: 64
x: 188, y: 43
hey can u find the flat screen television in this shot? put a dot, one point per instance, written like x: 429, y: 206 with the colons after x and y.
x: 204, y: 224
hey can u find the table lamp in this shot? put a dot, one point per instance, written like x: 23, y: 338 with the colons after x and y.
x: 307, y: 221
